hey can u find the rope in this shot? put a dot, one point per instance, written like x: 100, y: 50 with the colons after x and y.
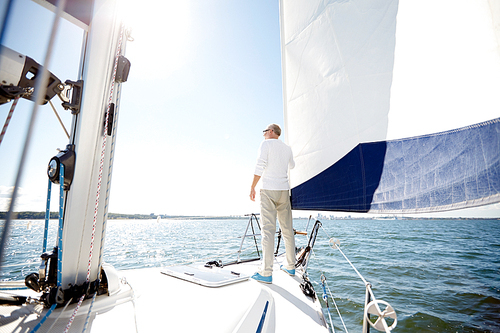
x: 103, y: 151
x: 9, y: 117
x: 40, y: 88
x: 40, y: 92
x: 325, y: 299
x: 47, y: 217
x: 88, y: 313
x: 62, y: 311
x: 99, y: 181
x: 40, y: 323
x: 59, y: 254
x: 61, y: 223
x: 74, y: 314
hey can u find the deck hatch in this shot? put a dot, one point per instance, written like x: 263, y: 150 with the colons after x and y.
x: 208, y: 277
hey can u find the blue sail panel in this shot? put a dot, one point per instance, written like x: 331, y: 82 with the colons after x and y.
x: 436, y: 172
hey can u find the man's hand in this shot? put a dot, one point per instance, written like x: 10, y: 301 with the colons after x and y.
x: 252, y: 189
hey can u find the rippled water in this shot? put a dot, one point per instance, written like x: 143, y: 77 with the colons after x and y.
x: 440, y: 276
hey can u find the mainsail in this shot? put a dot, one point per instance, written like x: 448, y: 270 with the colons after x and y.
x: 391, y: 106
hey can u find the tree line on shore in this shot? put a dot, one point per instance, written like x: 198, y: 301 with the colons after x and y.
x: 55, y: 215
x: 111, y: 216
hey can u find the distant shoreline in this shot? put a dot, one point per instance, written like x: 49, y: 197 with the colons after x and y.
x: 114, y: 216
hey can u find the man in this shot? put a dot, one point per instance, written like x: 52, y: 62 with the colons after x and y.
x: 275, y: 157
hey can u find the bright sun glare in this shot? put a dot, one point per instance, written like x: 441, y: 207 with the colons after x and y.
x: 160, y: 28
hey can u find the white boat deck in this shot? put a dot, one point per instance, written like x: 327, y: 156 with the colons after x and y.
x: 158, y: 302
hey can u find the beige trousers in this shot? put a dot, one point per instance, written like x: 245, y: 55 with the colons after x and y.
x: 274, y: 203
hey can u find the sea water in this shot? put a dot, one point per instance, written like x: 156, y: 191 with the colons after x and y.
x: 439, y: 275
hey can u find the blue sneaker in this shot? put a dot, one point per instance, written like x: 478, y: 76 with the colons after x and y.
x: 290, y: 272
x: 263, y: 279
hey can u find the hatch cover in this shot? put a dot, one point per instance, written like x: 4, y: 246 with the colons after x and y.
x: 208, y: 277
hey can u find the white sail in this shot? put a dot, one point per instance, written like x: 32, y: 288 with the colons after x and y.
x: 361, y: 72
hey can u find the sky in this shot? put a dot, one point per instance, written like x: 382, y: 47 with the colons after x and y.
x: 205, y: 80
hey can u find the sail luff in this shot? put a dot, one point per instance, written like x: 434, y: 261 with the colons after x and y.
x: 283, y: 69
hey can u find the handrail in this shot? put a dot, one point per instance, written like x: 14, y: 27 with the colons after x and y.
x: 250, y: 223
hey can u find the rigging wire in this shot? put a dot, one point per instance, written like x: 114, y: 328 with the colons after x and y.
x: 58, y: 118
x: 325, y: 298
x: 369, y: 306
x: 350, y: 263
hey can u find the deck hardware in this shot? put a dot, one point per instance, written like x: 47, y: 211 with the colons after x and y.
x: 111, y: 116
x: 214, y: 263
x: 122, y: 70
x: 76, y: 97
x: 18, y: 76
x: 380, y: 323
x: 250, y: 224
x: 67, y: 158
x: 334, y: 243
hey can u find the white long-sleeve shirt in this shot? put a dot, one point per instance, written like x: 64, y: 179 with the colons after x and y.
x: 275, y: 157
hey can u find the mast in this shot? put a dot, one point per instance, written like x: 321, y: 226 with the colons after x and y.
x: 85, y: 201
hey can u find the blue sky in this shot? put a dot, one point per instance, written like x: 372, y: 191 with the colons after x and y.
x: 205, y: 81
